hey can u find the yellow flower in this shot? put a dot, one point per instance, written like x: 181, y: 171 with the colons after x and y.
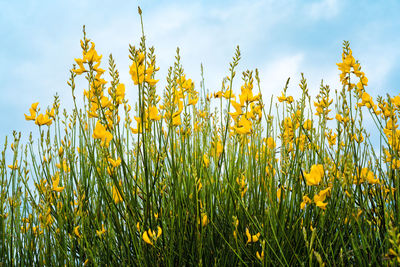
x: 315, y: 175
x: 218, y: 94
x: 150, y: 81
x: 200, y: 186
x: 347, y: 63
x: 91, y: 55
x: 116, y: 194
x: 146, y: 238
x: 99, y: 70
x: 137, y: 73
x: 283, y: 98
x: 320, y: 198
x: 101, y: 232
x: 331, y: 138
x: 56, y: 182
x: 13, y: 167
x: 271, y: 143
x: 81, y: 69
x: 193, y: 100
x: 34, y: 106
x: 76, y: 231
x: 176, y: 120
x: 159, y: 231
x: 149, y: 235
x: 32, y: 111
x: 120, y: 93
x: 260, y: 257
x: 204, y: 220
x: 176, y: 116
x: 61, y: 151
x: 307, y: 125
x: 43, y: 120
x: 206, y: 160
x: 64, y: 166
x: 280, y: 193
x: 244, y: 126
x: 238, y: 109
x: 368, y: 175
x: 105, y: 102
x: 227, y: 93
x: 100, y: 132
x: 242, y: 185
x: 153, y: 113
x: 248, y: 235
x: 114, y: 163
x: 363, y: 82
x: 139, y: 125
x: 306, y: 200
x: 321, y: 204
x: 251, y: 238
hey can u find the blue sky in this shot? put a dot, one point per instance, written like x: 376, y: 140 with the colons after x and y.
x: 40, y: 40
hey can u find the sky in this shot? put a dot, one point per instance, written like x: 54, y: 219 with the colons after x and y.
x: 282, y: 38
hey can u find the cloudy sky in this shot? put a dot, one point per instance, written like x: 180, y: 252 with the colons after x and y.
x: 282, y: 38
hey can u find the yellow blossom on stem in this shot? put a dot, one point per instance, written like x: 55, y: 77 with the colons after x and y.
x: 76, y: 231
x: 244, y: 126
x: 91, y: 55
x: 238, y: 109
x: 51, y: 113
x: 206, y: 160
x: 138, y: 72
x: 271, y: 143
x: 64, y: 166
x: 315, y: 175
x: 280, y: 193
x: 149, y: 236
x: 176, y: 116
x: 251, y: 238
x: 204, y: 220
x: 56, y: 182
x: 32, y: 111
x: 192, y: 100
x: 43, y: 120
x: 120, y: 93
x: 307, y: 125
x: 116, y: 194
x: 101, y: 232
x: 100, y: 132
x: 13, y: 167
x: 227, y: 93
x: 320, y: 198
x: 368, y: 175
x: 81, y: 69
x: 283, y: 98
x: 260, y: 256
x: 146, y: 238
x: 306, y: 200
x: 139, y: 126
x: 153, y: 113
x: 114, y: 163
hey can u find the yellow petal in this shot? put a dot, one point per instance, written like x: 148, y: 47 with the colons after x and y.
x: 159, y: 231
x: 146, y: 238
